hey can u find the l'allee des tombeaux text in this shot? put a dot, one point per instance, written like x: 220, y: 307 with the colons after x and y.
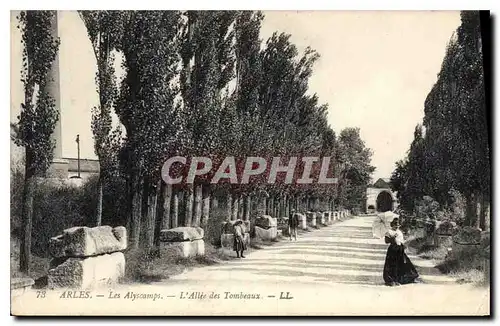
x: 195, y: 295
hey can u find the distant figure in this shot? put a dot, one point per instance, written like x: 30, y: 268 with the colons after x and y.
x: 293, y: 224
x: 398, y: 268
x: 239, y: 240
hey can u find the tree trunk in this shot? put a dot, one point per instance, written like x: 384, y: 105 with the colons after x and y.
x: 470, y: 210
x: 135, y: 221
x: 98, y: 221
x: 197, y: 205
x: 145, y: 216
x: 229, y: 205
x: 487, y: 217
x: 482, y: 213
x: 214, y: 202
x: 234, y: 215
x: 241, y: 208
x: 27, y: 223
x: 175, y: 208
x: 277, y: 206
x: 265, y: 205
x: 206, y: 206
x: 248, y: 207
x: 167, y: 200
x: 150, y: 219
x: 188, y: 219
x: 158, y: 212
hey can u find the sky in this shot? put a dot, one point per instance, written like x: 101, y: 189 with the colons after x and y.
x: 375, y: 71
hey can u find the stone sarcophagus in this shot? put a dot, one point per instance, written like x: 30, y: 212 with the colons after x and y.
x: 302, y: 221
x: 329, y: 217
x: 336, y: 215
x: 283, y: 226
x: 183, y: 242
x: 266, y: 228
x: 87, y: 258
x: 19, y: 286
x: 466, y: 239
x: 320, y: 219
x: 444, y: 232
x: 311, y: 219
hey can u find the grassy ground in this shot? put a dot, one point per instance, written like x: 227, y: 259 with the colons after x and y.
x: 161, y: 264
x: 38, y: 267
x: 465, y: 267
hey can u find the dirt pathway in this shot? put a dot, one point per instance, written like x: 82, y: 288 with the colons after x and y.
x: 335, y: 270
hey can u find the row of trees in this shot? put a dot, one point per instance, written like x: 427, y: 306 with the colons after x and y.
x: 201, y: 83
x: 450, y: 153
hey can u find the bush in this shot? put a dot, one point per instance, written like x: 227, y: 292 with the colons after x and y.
x: 467, y: 235
x: 463, y: 261
x: 427, y: 208
x: 213, y: 229
x: 58, y: 206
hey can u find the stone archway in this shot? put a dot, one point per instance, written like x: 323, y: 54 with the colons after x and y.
x: 384, y: 202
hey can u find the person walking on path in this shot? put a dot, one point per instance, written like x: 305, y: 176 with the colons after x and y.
x: 239, y: 244
x: 293, y: 224
x: 398, y: 269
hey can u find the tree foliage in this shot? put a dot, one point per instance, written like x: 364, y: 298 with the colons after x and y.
x: 451, y: 152
x: 39, y: 115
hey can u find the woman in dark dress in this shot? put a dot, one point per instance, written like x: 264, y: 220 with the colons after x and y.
x: 398, y: 268
x: 239, y: 244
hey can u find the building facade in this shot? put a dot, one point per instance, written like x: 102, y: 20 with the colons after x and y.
x: 380, y: 197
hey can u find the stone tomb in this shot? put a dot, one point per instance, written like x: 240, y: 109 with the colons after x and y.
x: 320, y: 219
x: 336, y: 216
x: 183, y: 241
x: 329, y: 217
x: 444, y: 233
x: 19, y: 286
x: 466, y: 239
x: 266, y: 228
x: 283, y: 226
x: 227, y: 236
x: 302, y: 221
x: 311, y: 219
x: 87, y: 258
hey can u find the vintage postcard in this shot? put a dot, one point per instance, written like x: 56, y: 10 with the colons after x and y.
x: 256, y: 163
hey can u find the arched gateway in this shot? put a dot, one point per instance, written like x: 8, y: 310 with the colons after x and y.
x: 380, y: 197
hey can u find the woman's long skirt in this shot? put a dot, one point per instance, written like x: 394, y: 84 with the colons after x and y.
x: 239, y: 244
x: 398, y: 268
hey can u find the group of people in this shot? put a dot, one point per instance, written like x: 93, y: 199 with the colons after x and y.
x: 398, y: 269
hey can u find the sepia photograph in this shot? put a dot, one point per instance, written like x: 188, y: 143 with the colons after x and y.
x: 250, y: 163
